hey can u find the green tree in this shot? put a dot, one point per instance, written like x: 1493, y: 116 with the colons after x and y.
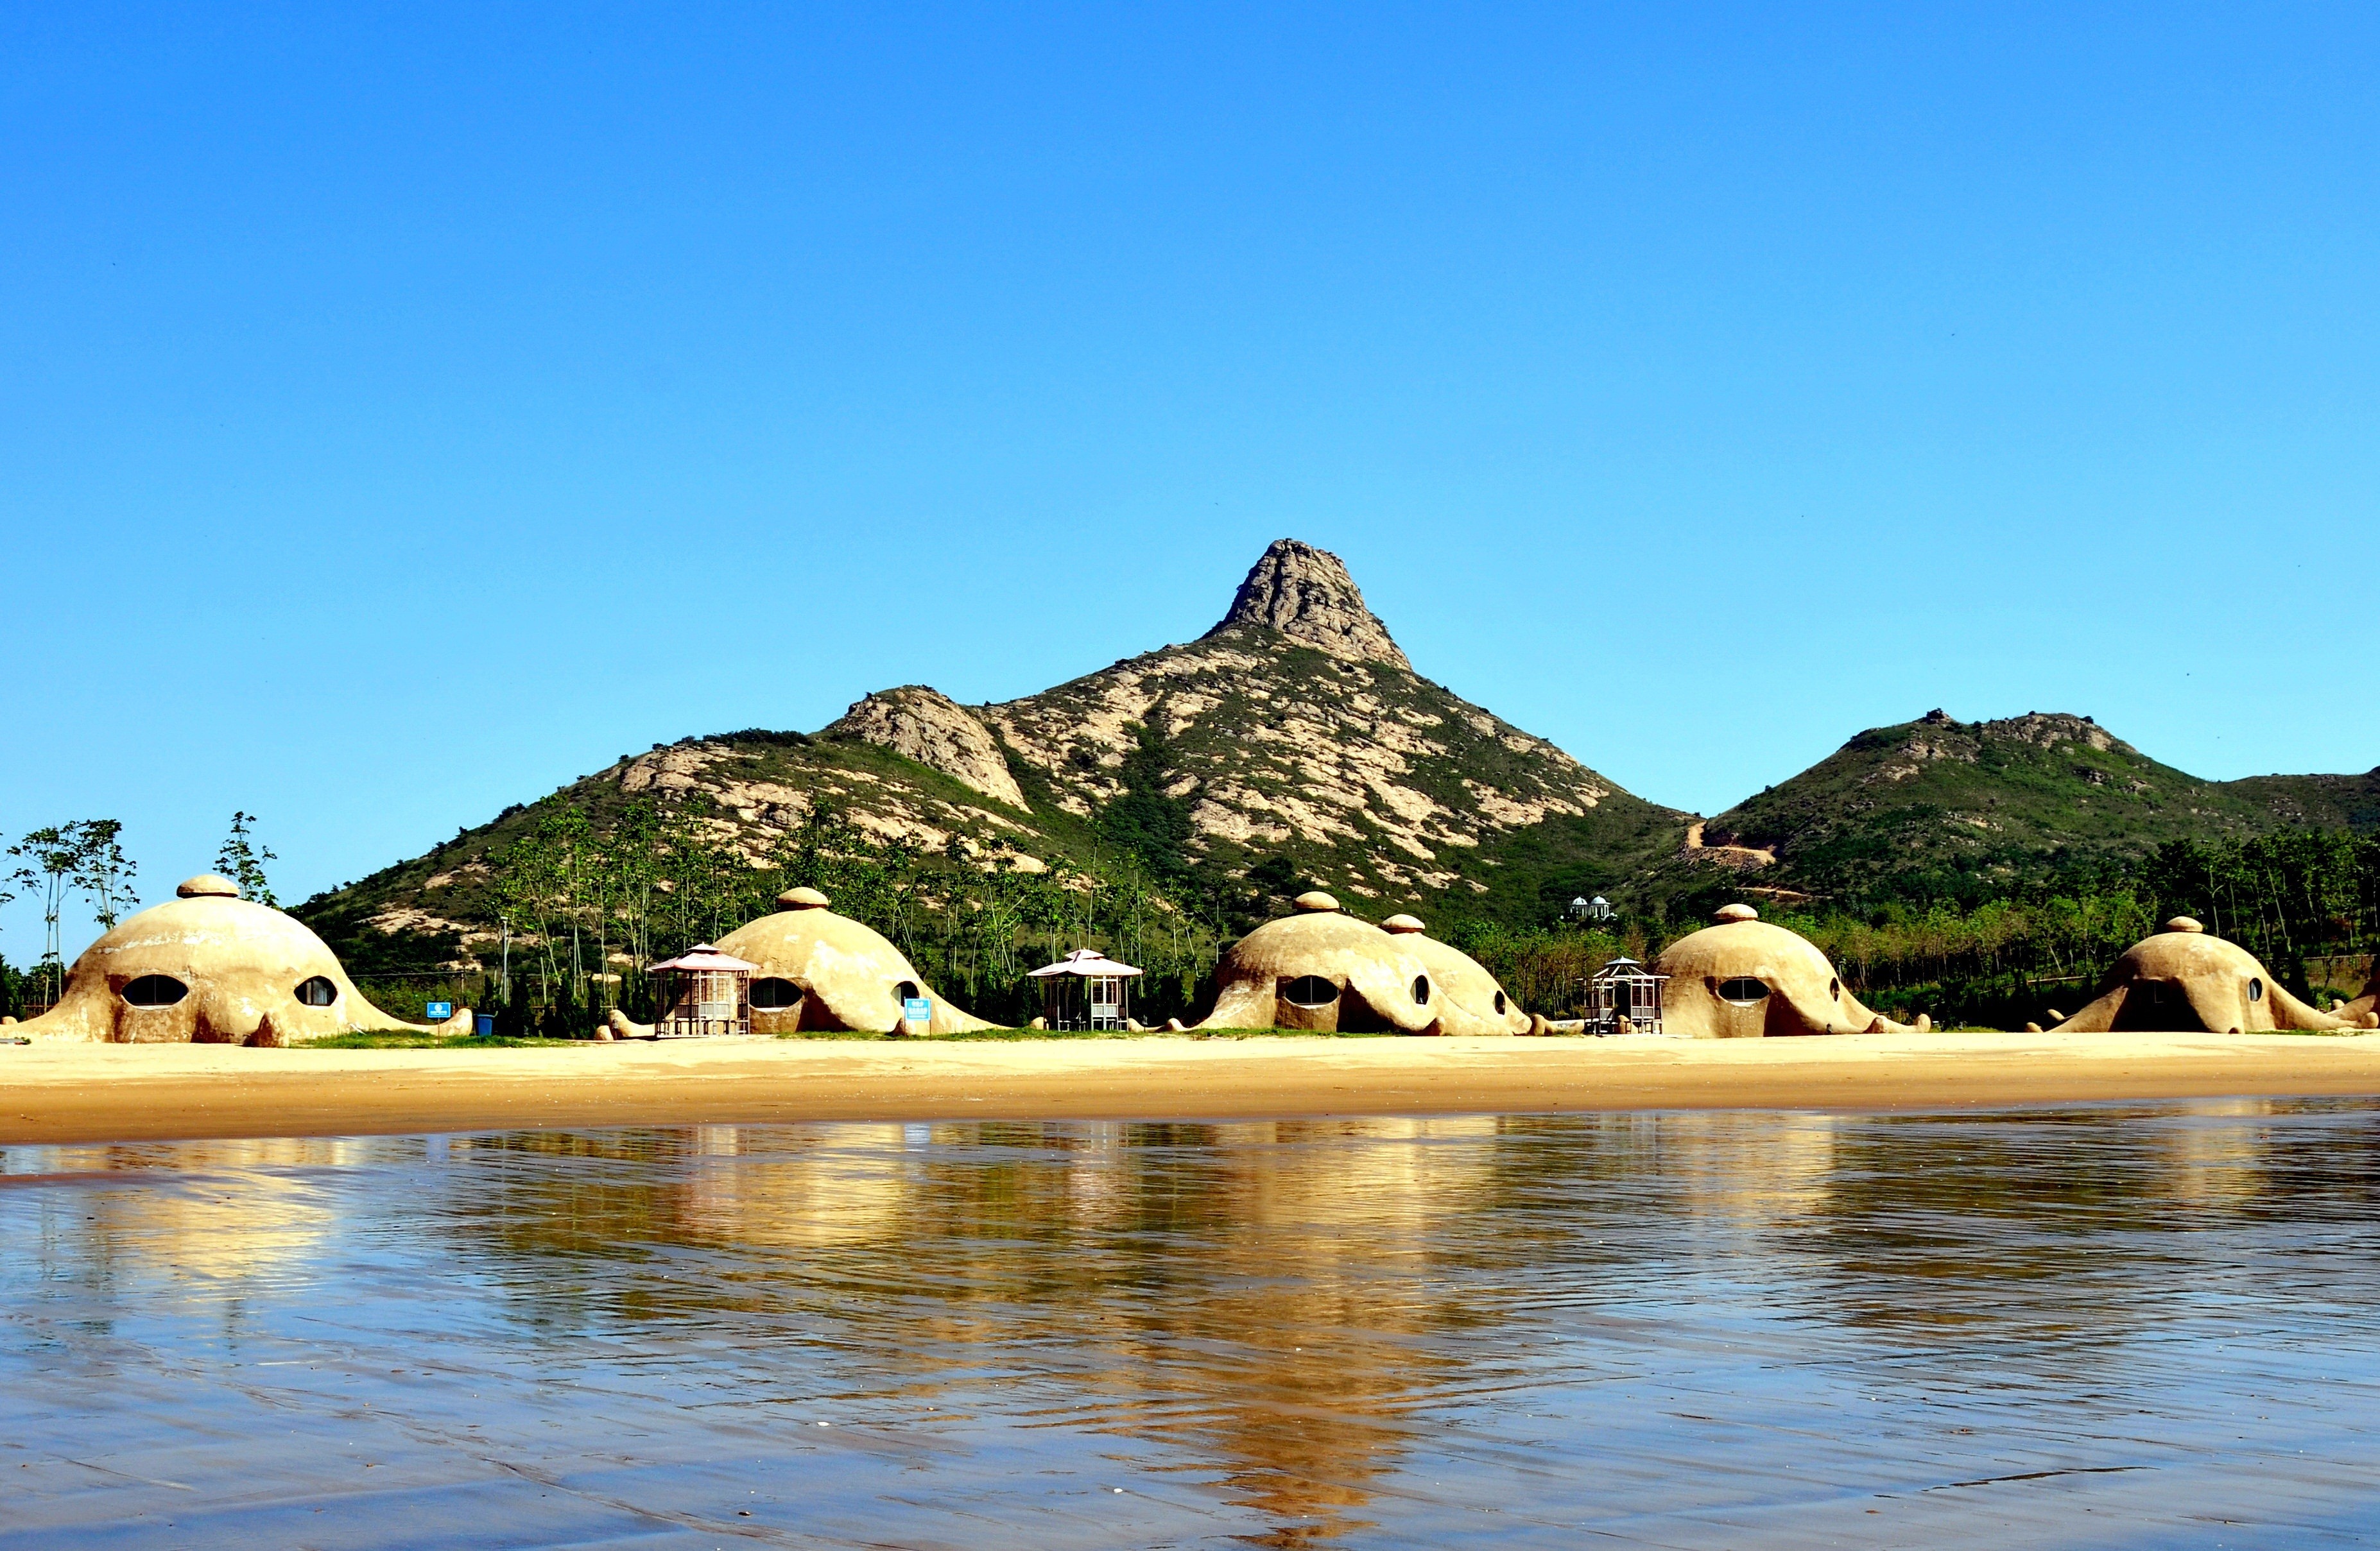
x: 243, y: 861
x: 103, y: 873
x: 85, y: 856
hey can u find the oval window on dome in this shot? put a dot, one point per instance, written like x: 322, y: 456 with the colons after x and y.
x: 1835, y: 989
x: 1499, y: 1003
x: 2256, y: 990
x: 318, y: 991
x: 1421, y: 989
x: 155, y: 990
x: 1744, y: 991
x: 1309, y: 991
x: 907, y: 991
x: 770, y: 995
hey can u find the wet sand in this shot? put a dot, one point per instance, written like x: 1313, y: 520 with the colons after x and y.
x: 151, y: 1093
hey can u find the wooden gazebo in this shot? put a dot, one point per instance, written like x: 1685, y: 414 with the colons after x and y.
x: 1624, y: 996
x: 1084, y: 991
x: 703, y: 991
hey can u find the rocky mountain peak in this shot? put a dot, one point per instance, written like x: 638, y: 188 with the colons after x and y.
x: 2048, y: 729
x: 937, y: 732
x: 1306, y: 594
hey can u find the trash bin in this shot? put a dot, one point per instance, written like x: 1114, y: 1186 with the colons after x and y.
x: 483, y: 1024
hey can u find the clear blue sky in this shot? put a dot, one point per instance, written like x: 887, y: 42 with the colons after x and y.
x: 404, y: 410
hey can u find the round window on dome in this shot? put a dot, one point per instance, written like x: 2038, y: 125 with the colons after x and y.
x: 1309, y: 991
x: 1499, y: 1003
x: 907, y: 991
x: 1421, y: 989
x: 773, y: 994
x: 155, y: 990
x: 318, y: 991
x: 2256, y: 990
x: 1743, y: 990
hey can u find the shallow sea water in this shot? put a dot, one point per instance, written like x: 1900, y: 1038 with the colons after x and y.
x: 2109, y: 1326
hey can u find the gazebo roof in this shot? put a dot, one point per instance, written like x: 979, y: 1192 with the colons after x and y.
x: 1089, y: 963
x: 1614, y: 969
x: 703, y: 955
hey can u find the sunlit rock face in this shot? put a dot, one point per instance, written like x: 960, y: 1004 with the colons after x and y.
x: 927, y: 726
x: 208, y: 967
x: 1746, y: 979
x: 2184, y: 981
x: 1308, y: 595
x: 824, y: 972
x: 1328, y: 972
x: 1292, y: 728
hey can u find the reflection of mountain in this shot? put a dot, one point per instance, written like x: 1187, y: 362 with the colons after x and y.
x: 1294, y: 1315
x: 1288, y: 1350
x: 1945, y: 1229
x: 1279, y: 1299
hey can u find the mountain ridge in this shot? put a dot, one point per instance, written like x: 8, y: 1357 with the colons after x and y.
x: 1293, y: 745
x: 1939, y: 808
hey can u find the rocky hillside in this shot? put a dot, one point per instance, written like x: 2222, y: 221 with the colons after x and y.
x: 1293, y: 745
x: 2317, y: 801
x: 1941, y: 808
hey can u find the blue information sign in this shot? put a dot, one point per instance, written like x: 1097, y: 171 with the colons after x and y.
x: 916, y: 1010
x: 438, y: 1010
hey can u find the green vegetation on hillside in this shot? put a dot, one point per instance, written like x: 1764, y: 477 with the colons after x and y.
x: 1265, y: 735
x: 1969, y: 869
x: 1937, y: 810
x: 574, y: 913
x: 2317, y: 801
x: 2295, y: 899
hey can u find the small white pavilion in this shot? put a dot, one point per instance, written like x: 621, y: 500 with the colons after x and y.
x: 1084, y: 991
x: 703, y: 991
x: 1624, y: 997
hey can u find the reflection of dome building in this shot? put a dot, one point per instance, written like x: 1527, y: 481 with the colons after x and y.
x: 1744, y: 978
x: 1376, y: 1177
x: 2214, y: 1152
x: 2182, y: 981
x: 209, y: 967
x: 1750, y: 1167
x: 1325, y: 971
x: 251, y: 1219
x: 820, y: 1185
x: 1302, y: 1345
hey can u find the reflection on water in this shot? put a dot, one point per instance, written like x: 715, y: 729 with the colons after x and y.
x: 2142, y: 1326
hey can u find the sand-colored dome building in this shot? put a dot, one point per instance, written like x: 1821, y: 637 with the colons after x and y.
x: 2365, y: 1010
x: 1744, y: 978
x: 818, y: 970
x: 208, y: 967
x: 1469, y: 998
x: 1323, y: 970
x: 2184, y: 981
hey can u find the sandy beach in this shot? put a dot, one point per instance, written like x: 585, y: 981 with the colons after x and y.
x: 140, y: 1092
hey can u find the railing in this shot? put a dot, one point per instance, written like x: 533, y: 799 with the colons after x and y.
x: 700, y: 1028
